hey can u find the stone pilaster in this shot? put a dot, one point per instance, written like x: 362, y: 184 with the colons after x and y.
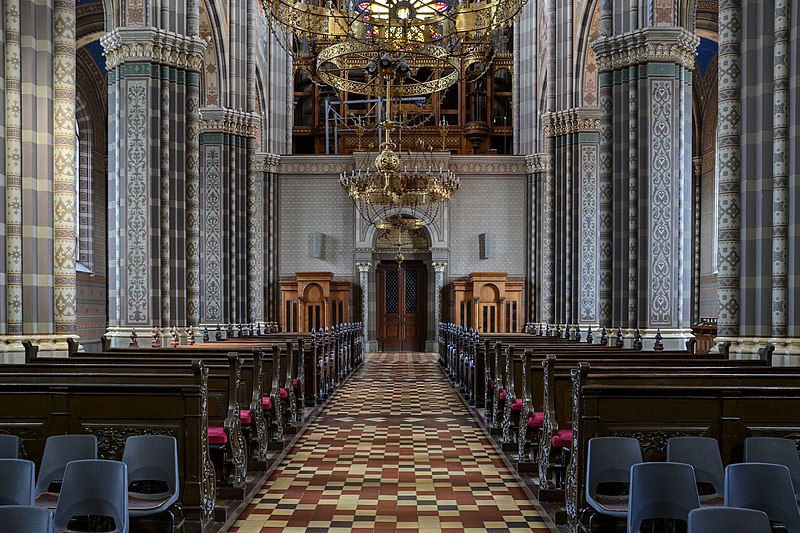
x: 153, y: 78
x: 438, y: 269
x: 537, y: 171
x: 363, y: 280
x: 231, y: 223
x: 255, y: 198
x: 697, y: 182
x: 646, y: 90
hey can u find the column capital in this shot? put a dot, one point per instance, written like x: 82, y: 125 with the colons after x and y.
x: 363, y: 266
x: 674, y: 44
x: 697, y: 165
x: 153, y: 45
x: 439, y: 266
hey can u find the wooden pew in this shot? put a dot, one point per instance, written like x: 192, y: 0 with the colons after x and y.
x: 728, y: 405
x: 113, y: 406
x: 224, y: 392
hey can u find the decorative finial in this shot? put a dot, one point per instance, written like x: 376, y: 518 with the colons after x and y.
x: 637, y: 340
x: 206, y: 338
x: 568, y: 333
x: 659, y: 345
x: 229, y: 331
x: 578, y: 333
x: 603, y: 337
x: 589, y: 337
x: 620, y: 340
x: 156, y: 337
x: 218, y: 333
x: 190, y: 335
x: 174, y: 343
x: 134, y: 342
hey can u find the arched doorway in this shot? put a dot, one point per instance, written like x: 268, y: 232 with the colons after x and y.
x: 401, y: 286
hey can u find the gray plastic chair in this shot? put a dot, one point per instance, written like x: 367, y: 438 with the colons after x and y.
x: 9, y: 446
x: 94, y: 487
x: 608, y: 467
x: 25, y: 519
x: 661, y: 490
x: 16, y: 482
x: 153, y: 480
x: 777, y: 451
x: 703, y: 454
x: 765, y: 487
x: 728, y: 520
x: 58, y: 451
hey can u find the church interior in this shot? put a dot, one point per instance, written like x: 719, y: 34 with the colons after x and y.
x: 401, y: 265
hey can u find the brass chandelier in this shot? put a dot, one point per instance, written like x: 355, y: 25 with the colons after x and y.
x: 391, y: 194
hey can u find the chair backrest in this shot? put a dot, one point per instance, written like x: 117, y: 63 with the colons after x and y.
x: 9, y: 446
x: 765, y: 487
x: 60, y: 450
x: 94, y: 487
x: 609, y: 462
x: 25, y: 519
x: 774, y: 450
x: 703, y: 454
x: 661, y: 490
x: 16, y: 482
x: 728, y: 520
x: 153, y: 458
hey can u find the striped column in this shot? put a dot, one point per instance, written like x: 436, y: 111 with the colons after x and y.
x: 780, y: 191
x: 729, y: 165
x: 13, y: 134
x: 548, y: 226
x: 193, y: 174
x: 165, y: 206
x: 64, y: 208
x: 255, y: 261
x: 606, y: 168
x: 633, y: 196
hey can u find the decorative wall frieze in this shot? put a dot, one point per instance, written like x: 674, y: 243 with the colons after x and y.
x: 537, y: 163
x: 269, y: 163
x: 578, y: 119
x: 672, y: 44
x: 130, y: 44
x: 232, y: 121
x: 468, y: 166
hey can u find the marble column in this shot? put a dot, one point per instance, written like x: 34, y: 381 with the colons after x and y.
x: 363, y: 280
x: 438, y: 269
x: 697, y: 184
x: 13, y: 169
x: 729, y: 169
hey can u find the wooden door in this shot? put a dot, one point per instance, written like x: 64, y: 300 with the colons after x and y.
x: 402, y: 299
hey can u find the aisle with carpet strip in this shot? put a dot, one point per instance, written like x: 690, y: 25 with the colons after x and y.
x: 394, y: 450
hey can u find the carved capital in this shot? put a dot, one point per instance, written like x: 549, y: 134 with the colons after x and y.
x: 439, y: 266
x: 571, y: 121
x: 363, y: 266
x: 267, y: 163
x: 697, y: 166
x: 537, y: 163
x: 671, y: 44
x: 235, y: 122
x: 153, y: 45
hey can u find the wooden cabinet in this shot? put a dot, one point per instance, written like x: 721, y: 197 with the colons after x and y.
x: 314, y: 300
x: 488, y: 302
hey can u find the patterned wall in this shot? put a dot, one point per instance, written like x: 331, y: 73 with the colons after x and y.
x: 494, y: 205
x: 309, y: 205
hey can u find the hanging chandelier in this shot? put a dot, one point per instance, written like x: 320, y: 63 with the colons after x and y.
x: 392, y: 193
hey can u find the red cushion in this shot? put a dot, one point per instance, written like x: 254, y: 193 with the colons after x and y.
x: 245, y: 417
x: 492, y: 383
x: 283, y: 393
x: 296, y: 382
x: 517, y: 405
x: 217, y: 435
x: 502, y: 395
x: 562, y: 439
x: 536, y: 421
x: 266, y: 402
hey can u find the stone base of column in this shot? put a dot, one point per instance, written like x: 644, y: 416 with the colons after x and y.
x: 120, y: 336
x: 672, y: 339
x: 432, y: 346
x: 12, y: 351
x: 371, y: 346
x: 787, y: 350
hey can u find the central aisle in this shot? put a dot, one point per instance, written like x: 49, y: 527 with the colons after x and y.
x: 394, y: 450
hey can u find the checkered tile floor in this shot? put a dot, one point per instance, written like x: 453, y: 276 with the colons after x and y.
x: 394, y: 450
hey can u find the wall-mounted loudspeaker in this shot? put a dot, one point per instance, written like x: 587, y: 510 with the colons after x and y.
x: 485, y: 240
x: 316, y: 245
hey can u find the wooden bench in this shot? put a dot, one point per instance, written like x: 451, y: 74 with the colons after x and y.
x: 652, y: 407
x: 113, y: 406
